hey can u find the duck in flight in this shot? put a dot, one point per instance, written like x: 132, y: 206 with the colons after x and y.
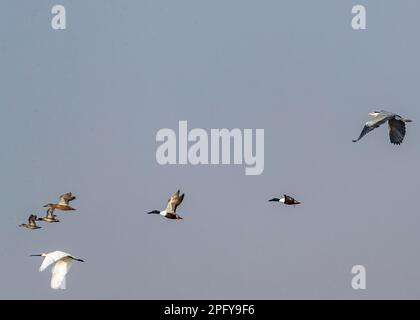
x: 170, y: 211
x: 49, y: 217
x: 396, y: 125
x: 31, y: 223
x: 63, y: 202
x: 286, y: 200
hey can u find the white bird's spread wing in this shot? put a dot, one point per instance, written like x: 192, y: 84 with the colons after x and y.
x: 59, y: 272
x: 51, y: 258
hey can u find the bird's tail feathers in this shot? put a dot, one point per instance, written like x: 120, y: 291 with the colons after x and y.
x: 58, y: 282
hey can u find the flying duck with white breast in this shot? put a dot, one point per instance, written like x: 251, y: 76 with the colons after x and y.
x: 170, y: 211
x: 396, y: 125
x: 63, y: 202
x: 49, y: 217
x: 31, y: 223
x: 286, y: 200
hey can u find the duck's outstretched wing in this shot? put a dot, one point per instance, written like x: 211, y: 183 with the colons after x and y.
x: 289, y: 199
x: 174, y: 201
x: 66, y: 198
x: 50, y: 213
x: 31, y: 220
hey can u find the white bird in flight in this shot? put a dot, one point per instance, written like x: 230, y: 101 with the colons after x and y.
x: 63, y: 262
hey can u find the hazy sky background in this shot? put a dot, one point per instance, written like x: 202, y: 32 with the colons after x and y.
x: 80, y: 108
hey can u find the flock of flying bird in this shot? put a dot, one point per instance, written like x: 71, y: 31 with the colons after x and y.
x: 63, y: 204
x: 63, y: 261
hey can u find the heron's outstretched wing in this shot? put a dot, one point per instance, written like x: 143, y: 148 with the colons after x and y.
x: 374, y: 123
x: 366, y: 129
x: 59, y: 272
x: 174, y: 201
x: 396, y: 131
x: 51, y: 258
x: 66, y: 198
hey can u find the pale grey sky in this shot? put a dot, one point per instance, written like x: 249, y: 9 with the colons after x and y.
x: 79, y: 110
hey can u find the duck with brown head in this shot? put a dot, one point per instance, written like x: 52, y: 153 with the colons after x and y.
x: 31, y: 223
x: 63, y: 202
x: 49, y: 216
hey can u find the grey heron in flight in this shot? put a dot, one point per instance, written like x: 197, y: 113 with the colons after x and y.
x: 396, y: 125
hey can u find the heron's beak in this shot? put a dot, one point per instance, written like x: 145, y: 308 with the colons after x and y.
x: 35, y: 255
